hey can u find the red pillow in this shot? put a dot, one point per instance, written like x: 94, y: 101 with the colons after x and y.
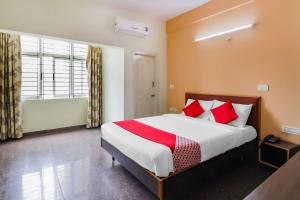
x: 224, y: 113
x: 194, y: 109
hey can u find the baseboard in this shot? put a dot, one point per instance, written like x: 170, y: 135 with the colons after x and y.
x: 53, y: 131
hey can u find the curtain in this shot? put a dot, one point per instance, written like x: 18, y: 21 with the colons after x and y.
x: 94, y: 66
x: 10, y: 87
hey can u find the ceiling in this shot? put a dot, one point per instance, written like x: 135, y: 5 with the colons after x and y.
x: 162, y: 9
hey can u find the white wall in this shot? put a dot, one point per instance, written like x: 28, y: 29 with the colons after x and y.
x: 113, y: 84
x: 55, y: 113
x: 90, y: 21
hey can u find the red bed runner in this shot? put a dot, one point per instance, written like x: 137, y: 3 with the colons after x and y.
x: 186, y: 152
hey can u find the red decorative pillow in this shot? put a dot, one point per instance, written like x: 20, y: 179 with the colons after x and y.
x: 224, y: 113
x: 194, y: 109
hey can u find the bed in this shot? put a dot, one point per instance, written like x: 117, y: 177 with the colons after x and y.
x: 155, y: 168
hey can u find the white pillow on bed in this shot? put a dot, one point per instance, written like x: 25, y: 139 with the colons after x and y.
x: 206, y: 105
x: 242, y: 110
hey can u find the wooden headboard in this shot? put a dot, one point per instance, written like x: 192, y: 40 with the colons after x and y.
x: 254, y: 118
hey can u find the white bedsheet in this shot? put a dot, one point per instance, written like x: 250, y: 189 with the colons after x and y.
x: 214, y: 139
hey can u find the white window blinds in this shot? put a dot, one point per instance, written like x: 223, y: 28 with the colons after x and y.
x: 53, y: 68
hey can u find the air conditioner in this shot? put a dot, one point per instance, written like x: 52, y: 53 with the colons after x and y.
x: 131, y: 27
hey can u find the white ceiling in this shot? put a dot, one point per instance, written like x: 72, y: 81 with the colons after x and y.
x: 163, y: 9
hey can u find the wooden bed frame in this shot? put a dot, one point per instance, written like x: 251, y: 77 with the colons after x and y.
x: 160, y: 186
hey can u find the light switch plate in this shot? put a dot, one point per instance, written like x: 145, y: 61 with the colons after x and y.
x: 172, y: 86
x: 290, y: 130
x: 173, y: 109
x: 262, y: 87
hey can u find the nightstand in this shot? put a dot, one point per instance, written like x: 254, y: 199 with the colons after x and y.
x: 275, y: 155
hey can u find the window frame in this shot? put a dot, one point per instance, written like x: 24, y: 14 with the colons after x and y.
x: 40, y: 82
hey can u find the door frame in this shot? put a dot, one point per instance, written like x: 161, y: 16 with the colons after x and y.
x: 156, y: 78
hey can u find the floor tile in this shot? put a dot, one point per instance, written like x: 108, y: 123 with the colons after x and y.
x: 71, y: 165
x: 36, y: 185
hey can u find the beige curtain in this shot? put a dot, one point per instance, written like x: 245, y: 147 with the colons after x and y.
x: 10, y: 87
x: 94, y: 66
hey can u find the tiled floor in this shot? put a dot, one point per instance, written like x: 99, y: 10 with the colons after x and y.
x: 71, y: 165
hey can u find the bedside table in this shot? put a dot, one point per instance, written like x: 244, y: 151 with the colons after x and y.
x: 275, y: 155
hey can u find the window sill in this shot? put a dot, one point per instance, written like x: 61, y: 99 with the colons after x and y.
x: 53, y: 99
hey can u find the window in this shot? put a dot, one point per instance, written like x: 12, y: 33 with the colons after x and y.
x: 53, y: 68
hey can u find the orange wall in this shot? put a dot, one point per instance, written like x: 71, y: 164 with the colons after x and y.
x: 268, y: 53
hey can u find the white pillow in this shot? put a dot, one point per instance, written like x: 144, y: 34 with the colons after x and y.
x: 206, y: 105
x: 242, y: 110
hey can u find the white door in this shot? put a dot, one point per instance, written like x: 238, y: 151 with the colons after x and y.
x: 145, y: 86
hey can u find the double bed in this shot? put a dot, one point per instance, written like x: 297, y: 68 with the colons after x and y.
x: 153, y: 163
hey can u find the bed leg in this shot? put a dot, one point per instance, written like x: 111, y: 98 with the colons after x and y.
x: 113, y: 161
x: 242, y: 158
x: 160, y: 190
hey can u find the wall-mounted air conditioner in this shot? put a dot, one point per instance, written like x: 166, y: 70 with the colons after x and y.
x: 131, y: 27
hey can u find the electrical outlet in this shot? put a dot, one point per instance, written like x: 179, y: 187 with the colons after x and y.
x: 173, y: 110
x: 290, y: 130
x: 262, y: 87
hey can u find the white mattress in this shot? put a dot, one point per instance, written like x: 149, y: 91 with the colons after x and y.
x: 214, y: 139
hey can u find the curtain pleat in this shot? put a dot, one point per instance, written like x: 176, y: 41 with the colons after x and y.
x: 10, y: 87
x: 94, y: 66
